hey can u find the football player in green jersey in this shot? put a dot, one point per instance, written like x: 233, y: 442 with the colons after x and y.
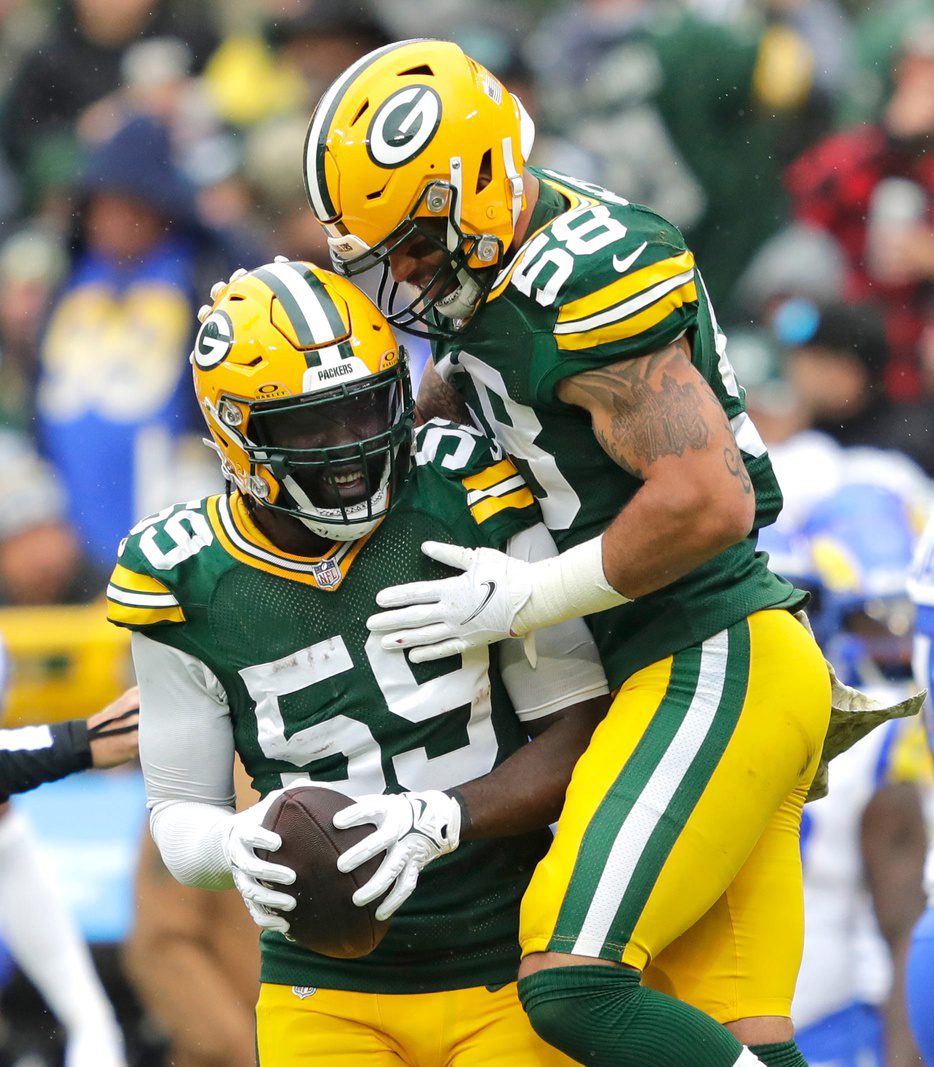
x: 573, y: 327
x: 248, y: 613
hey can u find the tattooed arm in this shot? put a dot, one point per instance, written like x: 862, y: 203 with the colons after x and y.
x: 659, y: 420
x: 438, y: 400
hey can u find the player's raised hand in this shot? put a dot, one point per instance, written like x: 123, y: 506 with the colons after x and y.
x: 412, y: 829
x: 451, y: 615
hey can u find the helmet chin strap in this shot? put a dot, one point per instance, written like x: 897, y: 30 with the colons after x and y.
x: 463, y: 301
x: 316, y: 520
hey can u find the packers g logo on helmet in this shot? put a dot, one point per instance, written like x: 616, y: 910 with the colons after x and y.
x: 403, y: 126
x: 214, y: 340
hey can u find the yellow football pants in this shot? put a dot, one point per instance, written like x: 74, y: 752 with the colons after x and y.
x: 677, y: 851
x: 458, y: 1028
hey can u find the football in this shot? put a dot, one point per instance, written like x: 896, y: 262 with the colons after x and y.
x: 325, y: 918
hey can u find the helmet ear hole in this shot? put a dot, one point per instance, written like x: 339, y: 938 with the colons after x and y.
x: 485, y: 174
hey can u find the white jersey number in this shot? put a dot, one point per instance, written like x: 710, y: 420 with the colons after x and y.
x: 353, y: 739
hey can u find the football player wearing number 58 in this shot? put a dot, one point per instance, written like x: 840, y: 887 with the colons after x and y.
x: 665, y: 924
x: 249, y: 616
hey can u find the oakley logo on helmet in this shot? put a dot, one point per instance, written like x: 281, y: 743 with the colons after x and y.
x: 214, y: 340
x: 404, y: 124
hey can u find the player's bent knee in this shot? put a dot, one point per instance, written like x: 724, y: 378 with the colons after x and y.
x: 567, y: 1005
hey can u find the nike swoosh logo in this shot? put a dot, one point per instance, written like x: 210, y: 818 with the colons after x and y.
x: 490, y: 590
x: 622, y: 265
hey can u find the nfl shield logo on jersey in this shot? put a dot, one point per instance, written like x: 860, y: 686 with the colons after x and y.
x: 327, y: 573
x: 303, y: 992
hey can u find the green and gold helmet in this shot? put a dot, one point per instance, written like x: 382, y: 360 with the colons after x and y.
x: 307, y: 397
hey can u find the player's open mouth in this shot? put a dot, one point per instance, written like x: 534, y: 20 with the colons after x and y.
x: 349, y: 487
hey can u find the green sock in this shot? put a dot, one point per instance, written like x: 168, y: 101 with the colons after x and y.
x: 785, y: 1054
x: 604, y: 1017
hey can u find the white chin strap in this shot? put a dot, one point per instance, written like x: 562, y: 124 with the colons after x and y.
x: 462, y: 303
x: 337, y: 529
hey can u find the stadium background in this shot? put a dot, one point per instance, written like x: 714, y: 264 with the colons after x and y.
x: 148, y: 147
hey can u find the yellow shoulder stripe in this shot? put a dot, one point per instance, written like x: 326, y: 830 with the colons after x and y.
x: 137, y: 616
x: 625, y: 287
x: 137, y: 583
x: 491, y: 505
x: 491, y: 476
x: 630, y: 326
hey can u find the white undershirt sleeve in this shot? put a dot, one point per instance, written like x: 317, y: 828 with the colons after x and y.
x: 567, y: 669
x: 186, y: 746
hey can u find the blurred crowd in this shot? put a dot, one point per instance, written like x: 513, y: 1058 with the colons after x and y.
x: 150, y: 147
x: 147, y: 147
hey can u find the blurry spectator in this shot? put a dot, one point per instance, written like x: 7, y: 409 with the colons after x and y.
x: 113, y: 402
x: 76, y: 65
x: 321, y: 38
x: 32, y: 262
x: 193, y: 957
x: 872, y: 188
x: 920, y: 976
x: 304, y: 46
x: 862, y: 851
x: 848, y: 537
x: 879, y: 30
x: 41, y: 558
x: 798, y: 261
x: 34, y: 922
x: 683, y: 115
x: 282, y: 206
x: 835, y: 360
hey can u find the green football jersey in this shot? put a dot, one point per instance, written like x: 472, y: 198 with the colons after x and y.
x: 313, y: 696
x: 599, y: 280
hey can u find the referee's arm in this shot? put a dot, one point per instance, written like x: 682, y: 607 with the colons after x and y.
x: 36, y: 754
x: 32, y: 755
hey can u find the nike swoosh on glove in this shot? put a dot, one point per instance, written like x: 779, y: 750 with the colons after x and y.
x: 412, y: 829
x: 451, y: 615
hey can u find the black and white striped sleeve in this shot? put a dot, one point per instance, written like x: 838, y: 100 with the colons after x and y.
x: 32, y: 755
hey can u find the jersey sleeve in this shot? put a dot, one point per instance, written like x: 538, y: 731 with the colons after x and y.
x: 631, y: 287
x: 477, y: 477
x: 143, y: 591
x: 628, y: 303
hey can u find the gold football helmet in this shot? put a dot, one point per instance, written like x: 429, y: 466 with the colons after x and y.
x: 307, y: 396
x: 418, y: 140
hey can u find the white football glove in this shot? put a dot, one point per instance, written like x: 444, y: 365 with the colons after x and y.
x: 412, y: 829
x: 451, y: 615
x: 250, y: 874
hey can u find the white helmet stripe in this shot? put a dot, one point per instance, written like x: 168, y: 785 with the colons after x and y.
x: 309, y: 306
x: 315, y: 179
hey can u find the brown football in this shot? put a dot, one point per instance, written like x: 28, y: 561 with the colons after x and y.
x: 325, y: 918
